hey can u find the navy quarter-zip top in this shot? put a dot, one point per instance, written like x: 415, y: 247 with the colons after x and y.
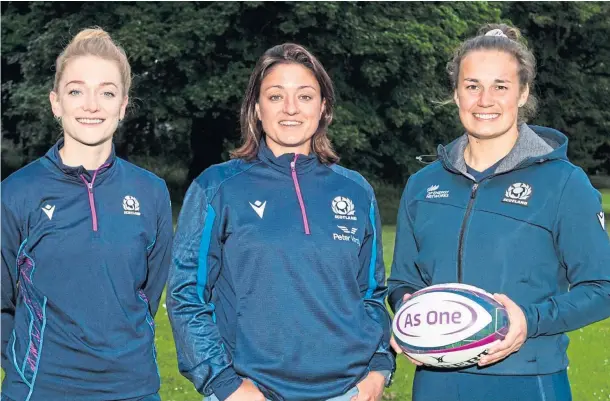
x: 277, y: 275
x: 85, y: 256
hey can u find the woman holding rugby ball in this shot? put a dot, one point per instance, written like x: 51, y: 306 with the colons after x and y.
x: 86, y: 240
x: 516, y: 219
x: 276, y: 288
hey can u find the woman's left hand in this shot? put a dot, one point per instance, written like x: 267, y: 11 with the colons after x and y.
x: 371, y: 388
x: 516, y: 336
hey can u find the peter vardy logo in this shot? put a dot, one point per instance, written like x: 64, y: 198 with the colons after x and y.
x: 259, y: 207
x: 434, y: 193
x: 131, y: 205
x: 348, y: 236
x: 48, y: 210
x: 518, y: 194
x: 347, y: 230
x: 343, y: 208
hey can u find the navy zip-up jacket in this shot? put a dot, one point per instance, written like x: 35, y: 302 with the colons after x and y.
x: 532, y: 230
x: 85, y: 258
x: 277, y: 275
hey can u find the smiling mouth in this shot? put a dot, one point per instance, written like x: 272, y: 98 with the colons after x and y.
x: 486, y: 116
x: 90, y: 121
x: 291, y: 123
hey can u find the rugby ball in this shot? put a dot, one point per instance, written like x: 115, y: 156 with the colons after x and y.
x: 449, y: 325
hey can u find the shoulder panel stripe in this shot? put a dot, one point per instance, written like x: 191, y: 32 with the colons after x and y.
x: 373, y: 263
x: 204, y: 247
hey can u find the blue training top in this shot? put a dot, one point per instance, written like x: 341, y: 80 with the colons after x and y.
x: 84, y: 262
x: 277, y: 275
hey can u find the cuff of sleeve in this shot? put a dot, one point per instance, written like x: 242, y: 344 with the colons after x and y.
x: 531, y: 318
x: 395, y: 298
x: 225, y: 384
x: 381, y: 362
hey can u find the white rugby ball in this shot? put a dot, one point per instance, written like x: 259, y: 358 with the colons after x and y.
x: 449, y: 325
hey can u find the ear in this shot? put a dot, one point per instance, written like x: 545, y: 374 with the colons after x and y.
x: 123, y: 107
x: 55, y: 104
x: 456, y: 98
x: 524, y: 95
x: 257, y: 110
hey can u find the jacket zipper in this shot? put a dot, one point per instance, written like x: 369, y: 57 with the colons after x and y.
x: 90, y: 192
x: 298, y: 190
x: 473, y: 195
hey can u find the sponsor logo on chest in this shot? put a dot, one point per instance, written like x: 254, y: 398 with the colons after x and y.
x: 433, y: 192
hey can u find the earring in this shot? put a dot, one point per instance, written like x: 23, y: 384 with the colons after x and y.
x: 57, y: 118
x: 520, y: 104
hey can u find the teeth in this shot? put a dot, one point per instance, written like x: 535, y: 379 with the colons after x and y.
x: 290, y: 123
x: 486, y: 116
x: 90, y: 120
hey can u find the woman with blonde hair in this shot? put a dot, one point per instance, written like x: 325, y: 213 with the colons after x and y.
x: 85, y: 247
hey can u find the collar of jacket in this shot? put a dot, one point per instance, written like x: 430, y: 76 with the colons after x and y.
x: 534, y: 144
x: 304, y: 164
x: 73, y: 173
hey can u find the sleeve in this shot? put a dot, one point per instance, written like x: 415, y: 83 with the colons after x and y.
x: 372, y: 284
x: 583, y: 248
x: 11, y: 240
x: 194, y: 269
x: 159, y: 253
x: 405, y: 277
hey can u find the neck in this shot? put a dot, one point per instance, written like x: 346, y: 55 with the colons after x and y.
x: 482, y: 153
x: 76, y: 154
x: 278, y: 150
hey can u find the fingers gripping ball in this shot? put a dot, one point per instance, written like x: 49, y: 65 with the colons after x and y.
x: 449, y: 325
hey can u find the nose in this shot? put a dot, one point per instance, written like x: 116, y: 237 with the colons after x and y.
x: 290, y: 106
x: 91, y: 103
x: 485, y: 99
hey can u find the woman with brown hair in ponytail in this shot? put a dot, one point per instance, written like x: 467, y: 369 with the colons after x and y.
x: 86, y: 240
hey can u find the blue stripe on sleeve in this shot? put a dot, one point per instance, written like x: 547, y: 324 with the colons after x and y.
x: 204, y: 247
x: 373, y: 263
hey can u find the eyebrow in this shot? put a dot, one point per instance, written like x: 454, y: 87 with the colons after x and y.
x: 498, y: 81
x: 83, y: 83
x: 281, y: 87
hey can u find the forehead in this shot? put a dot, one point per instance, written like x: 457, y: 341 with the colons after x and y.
x: 489, y: 64
x: 290, y: 75
x: 92, y: 70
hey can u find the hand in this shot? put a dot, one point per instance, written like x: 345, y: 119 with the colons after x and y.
x: 247, y: 391
x: 371, y: 388
x: 516, y: 336
x: 397, y: 347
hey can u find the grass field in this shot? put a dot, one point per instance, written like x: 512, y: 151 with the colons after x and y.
x: 589, y: 354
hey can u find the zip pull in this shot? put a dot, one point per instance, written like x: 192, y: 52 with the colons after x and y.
x: 297, y: 188
x: 475, y: 187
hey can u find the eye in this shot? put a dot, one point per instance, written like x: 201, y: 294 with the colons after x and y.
x: 472, y: 87
x: 109, y: 94
x: 74, y: 92
x: 305, y: 97
x: 501, y: 87
x: 275, y: 98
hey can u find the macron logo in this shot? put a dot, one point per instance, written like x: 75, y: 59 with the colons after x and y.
x: 48, y: 210
x: 259, y: 207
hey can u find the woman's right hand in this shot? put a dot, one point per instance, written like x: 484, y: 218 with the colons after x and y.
x: 397, y: 347
x: 247, y: 391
